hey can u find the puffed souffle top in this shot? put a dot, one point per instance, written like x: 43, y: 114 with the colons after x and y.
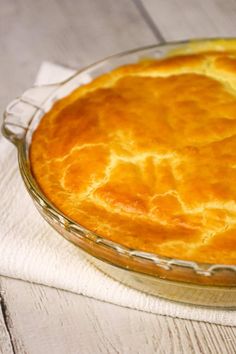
x: 145, y: 155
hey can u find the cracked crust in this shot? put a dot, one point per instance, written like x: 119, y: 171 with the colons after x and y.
x: 145, y: 155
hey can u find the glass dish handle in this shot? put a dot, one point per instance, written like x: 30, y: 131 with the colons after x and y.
x: 19, y: 112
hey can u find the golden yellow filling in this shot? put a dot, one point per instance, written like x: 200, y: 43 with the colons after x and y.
x: 146, y: 155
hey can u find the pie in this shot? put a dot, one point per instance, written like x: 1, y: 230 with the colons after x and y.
x: 145, y: 155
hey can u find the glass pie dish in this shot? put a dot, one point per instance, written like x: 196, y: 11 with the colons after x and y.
x: 190, y: 282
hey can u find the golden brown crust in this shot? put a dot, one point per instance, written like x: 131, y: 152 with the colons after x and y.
x: 145, y: 155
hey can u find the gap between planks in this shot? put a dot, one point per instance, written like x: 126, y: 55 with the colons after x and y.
x: 6, y: 343
x: 149, y: 21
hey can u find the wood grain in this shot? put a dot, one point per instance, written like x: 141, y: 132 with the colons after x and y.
x: 182, y: 19
x: 5, y: 338
x: 48, y: 320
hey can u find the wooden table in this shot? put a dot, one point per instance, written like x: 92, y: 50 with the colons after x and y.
x: 35, y: 319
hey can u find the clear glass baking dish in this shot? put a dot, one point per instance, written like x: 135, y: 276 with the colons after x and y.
x: 171, y: 278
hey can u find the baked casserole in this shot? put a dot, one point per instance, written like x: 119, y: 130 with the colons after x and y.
x: 133, y: 160
x: 145, y: 155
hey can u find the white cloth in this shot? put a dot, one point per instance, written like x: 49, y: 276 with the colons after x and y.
x: 31, y: 250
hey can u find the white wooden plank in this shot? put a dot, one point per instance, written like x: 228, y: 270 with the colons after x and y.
x: 51, y: 321
x: 182, y: 19
x: 5, y: 340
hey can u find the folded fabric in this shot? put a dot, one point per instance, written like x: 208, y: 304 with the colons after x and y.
x: 31, y: 250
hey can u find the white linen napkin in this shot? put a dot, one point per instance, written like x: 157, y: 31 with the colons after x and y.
x: 31, y: 250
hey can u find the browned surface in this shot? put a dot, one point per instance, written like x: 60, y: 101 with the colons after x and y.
x: 145, y: 156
